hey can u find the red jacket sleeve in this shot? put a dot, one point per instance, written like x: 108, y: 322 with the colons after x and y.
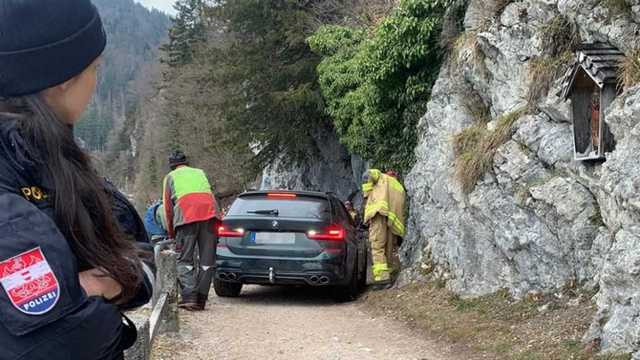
x: 168, y: 206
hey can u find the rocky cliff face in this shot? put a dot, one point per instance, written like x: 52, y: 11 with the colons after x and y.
x: 538, y: 221
x: 330, y: 169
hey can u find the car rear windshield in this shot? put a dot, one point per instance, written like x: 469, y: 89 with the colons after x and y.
x: 299, y: 207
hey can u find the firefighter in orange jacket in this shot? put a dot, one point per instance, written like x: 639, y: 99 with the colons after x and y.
x: 384, y: 212
x: 190, y: 213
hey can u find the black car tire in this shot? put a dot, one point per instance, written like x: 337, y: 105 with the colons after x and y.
x: 226, y: 289
x: 351, y: 291
x: 365, y: 267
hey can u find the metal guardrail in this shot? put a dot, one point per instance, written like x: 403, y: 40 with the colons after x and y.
x: 163, y: 317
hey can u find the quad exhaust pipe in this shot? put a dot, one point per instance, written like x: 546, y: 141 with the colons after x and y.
x: 318, y: 280
x: 313, y: 279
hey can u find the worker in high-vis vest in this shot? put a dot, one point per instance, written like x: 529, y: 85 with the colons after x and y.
x: 190, y: 214
x: 384, y: 212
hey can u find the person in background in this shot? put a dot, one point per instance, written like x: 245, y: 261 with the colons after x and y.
x: 69, y: 260
x: 191, y: 211
x: 384, y: 212
x: 154, y: 222
x: 353, y: 213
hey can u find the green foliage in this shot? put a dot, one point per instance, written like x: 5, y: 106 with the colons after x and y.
x: 376, y: 85
x: 133, y: 33
x: 93, y: 129
x: 240, y: 97
x: 272, y: 98
x: 187, y: 31
x: 475, y: 148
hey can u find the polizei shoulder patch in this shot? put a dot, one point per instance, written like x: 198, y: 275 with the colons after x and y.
x: 30, y: 283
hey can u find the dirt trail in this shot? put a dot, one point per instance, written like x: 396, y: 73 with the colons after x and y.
x: 287, y: 323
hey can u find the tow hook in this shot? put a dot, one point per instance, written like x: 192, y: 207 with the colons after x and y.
x: 272, y: 276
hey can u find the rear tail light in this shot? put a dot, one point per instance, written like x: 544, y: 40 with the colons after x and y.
x: 331, y: 233
x: 282, y: 195
x: 224, y: 231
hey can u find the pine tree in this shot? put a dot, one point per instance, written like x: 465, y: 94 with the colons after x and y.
x: 188, y: 30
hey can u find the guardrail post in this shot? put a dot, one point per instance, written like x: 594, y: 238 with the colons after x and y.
x: 164, y: 305
x: 166, y: 297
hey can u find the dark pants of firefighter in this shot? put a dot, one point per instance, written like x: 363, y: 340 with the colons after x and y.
x: 196, y: 262
x: 383, y: 244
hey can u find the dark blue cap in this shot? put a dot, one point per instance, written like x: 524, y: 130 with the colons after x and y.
x: 44, y: 43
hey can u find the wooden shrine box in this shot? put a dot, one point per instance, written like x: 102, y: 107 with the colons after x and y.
x: 592, y: 85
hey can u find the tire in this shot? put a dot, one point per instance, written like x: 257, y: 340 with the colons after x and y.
x: 226, y: 289
x: 351, y: 291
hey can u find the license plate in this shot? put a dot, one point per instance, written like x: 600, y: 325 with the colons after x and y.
x: 272, y: 238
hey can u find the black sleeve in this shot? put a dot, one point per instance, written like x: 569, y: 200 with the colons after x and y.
x: 146, y: 287
x: 131, y: 224
x: 126, y: 214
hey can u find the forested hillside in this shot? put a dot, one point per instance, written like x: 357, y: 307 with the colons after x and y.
x: 248, y: 82
x: 134, y: 34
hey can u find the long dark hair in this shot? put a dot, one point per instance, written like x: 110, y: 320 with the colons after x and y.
x: 81, y: 206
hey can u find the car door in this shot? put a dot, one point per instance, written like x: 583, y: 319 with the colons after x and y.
x: 341, y: 217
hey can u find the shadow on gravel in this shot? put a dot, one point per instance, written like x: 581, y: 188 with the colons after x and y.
x: 280, y: 295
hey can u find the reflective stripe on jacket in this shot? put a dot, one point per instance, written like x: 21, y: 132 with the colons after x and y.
x: 385, y: 196
x: 187, y: 198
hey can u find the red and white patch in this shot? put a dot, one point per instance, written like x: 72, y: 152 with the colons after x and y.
x: 30, y: 283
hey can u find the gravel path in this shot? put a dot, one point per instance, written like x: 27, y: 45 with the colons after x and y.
x: 288, y: 323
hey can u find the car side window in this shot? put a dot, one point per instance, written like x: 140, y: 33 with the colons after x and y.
x: 342, y: 211
x: 334, y: 211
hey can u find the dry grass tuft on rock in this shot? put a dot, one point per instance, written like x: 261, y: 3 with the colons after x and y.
x: 482, y: 14
x: 617, y: 7
x: 543, y: 71
x: 629, y: 72
x: 453, y: 25
x: 560, y: 38
x: 474, y: 105
x: 466, y: 50
x: 475, y: 147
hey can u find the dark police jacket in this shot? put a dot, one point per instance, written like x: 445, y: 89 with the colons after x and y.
x: 44, y: 312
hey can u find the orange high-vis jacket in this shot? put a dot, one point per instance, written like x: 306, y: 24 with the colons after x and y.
x: 187, y: 198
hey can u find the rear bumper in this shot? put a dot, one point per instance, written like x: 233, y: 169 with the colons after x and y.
x: 281, y: 272
x: 319, y: 279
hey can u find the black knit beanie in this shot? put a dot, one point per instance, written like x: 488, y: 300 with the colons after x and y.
x: 44, y: 43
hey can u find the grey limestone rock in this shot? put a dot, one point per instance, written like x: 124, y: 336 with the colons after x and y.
x: 332, y: 169
x: 538, y: 220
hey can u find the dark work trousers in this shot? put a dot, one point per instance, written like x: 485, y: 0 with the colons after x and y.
x: 196, y: 244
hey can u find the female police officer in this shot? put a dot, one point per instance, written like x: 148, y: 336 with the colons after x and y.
x: 66, y: 267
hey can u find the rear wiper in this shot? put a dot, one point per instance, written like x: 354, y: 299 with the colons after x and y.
x: 265, y: 212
